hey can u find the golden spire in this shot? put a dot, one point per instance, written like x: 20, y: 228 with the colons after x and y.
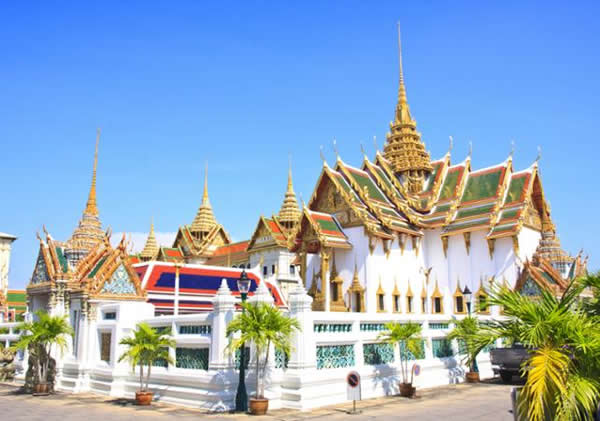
x: 401, y: 88
x: 89, y: 230
x: 289, y: 214
x: 151, y: 248
x: 404, y: 148
x: 91, y: 207
x: 205, y: 219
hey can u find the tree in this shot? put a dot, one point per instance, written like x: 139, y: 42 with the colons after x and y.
x: 564, y: 342
x: 466, y: 331
x: 408, y: 336
x: 144, y: 348
x: 40, y: 335
x: 263, y: 325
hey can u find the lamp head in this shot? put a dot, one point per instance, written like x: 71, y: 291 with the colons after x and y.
x: 243, y: 283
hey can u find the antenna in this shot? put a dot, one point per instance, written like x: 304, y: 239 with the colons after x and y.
x: 512, y: 148
x: 470, y: 149
x: 450, y: 144
x: 375, y: 143
x: 539, y: 154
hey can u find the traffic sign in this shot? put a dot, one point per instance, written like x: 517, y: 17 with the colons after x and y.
x: 353, y: 388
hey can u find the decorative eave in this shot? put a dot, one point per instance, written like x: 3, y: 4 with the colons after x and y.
x: 360, y: 210
x: 391, y: 192
x: 375, y: 206
x: 476, y: 214
x: 325, y: 239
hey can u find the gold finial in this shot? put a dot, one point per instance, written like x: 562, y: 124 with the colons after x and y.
x: 91, y: 207
x: 322, y: 155
x: 401, y: 88
x: 335, y: 149
x: 290, y: 186
x: 205, y: 193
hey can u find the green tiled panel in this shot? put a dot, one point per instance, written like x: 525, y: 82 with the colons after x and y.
x: 449, y: 185
x: 441, y: 348
x: 481, y: 210
x: 96, y: 268
x: 192, y: 358
x: 62, y: 260
x: 281, y: 359
x: 328, y: 225
x: 16, y: 297
x: 510, y: 214
x: 515, y: 189
x: 363, y: 181
x: 335, y: 356
x: 442, y: 208
x: 455, y: 226
x: 482, y: 186
x: 375, y: 354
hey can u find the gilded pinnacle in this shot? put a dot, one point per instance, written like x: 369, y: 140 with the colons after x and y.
x: 205, y: 220
x: 289, y: 214
x: 151, y: 248
x: 89, y: 231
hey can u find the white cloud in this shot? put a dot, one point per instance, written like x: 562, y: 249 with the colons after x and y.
x: 138, y: 239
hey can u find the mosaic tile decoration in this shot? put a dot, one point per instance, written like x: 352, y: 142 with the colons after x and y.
x: 195, y: 329
x: 281, y: 359
x: 372, y: 327
x: 191, y: 358
x: 333, y: 327
x: 375, y: 354
x: 335, y: 356
x: 441, y: 348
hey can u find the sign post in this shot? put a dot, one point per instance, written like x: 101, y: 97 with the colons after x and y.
x: 353, y: 390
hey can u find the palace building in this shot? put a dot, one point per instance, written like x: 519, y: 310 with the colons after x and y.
x: 394, y: 237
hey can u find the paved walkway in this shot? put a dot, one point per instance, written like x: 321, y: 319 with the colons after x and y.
x: 489, y: 402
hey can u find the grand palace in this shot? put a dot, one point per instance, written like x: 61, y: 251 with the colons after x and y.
x: 395, y: 236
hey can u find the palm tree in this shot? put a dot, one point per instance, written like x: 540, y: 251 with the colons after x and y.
x: 40, y: 335
x: 263, y: 325
x: 408, y: 335
x: 564, y: 342
x: 466, y: 331
x: 144, y: 348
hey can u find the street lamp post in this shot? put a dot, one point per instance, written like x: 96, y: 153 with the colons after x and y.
x: 241, y: 396
x: 468, y: 294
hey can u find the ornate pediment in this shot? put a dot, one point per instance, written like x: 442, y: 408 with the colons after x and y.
x: 119, y: 283
x: 40, y: 273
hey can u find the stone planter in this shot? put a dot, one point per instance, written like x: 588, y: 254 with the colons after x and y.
x: 407, y: 390
x: 259, y: 406
x: 143, y: 398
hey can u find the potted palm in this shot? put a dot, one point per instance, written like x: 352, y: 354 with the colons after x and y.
x: 38, y: 338
x: 263, y: 325
x: 563, y: 336
x: 144, y: 349
x: 466, y: 331
x: 408, y: 336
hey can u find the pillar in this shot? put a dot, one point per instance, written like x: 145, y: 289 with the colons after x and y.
x: 223, y: 311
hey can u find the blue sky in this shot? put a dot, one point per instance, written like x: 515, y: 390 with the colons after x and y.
x: 243, y: 84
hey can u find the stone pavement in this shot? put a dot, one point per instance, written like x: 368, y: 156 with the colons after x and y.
x: 485, y: 401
